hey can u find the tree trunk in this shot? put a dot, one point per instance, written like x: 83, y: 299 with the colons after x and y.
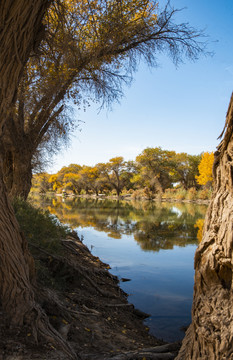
x: 17, y: 173
x: 158, y: 185
x: 16, y: 265
x: 210, y: 336
x: 21, y: 22
x: 21, y: 26
x: 118, y: 190
x: 7, y: 168
x: 22, y: 175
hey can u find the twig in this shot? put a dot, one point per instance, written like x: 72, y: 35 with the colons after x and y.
x: 118, y: 305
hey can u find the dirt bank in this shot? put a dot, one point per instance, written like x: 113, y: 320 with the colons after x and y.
x: 86, y: 305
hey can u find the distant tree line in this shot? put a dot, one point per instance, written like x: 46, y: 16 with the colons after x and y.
x: 153, y: 172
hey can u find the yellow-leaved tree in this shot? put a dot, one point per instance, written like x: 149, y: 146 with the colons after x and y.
x: 205, y: 176
x: 91, y: 49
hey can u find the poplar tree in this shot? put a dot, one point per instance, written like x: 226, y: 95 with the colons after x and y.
x: 21, y: 30
x: 90, y: 50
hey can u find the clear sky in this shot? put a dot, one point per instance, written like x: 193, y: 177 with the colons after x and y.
x: 180, y: 109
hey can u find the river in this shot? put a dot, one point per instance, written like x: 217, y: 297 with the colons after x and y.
x: 151, y: 245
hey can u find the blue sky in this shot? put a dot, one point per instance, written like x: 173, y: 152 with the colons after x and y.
x: 178, y: 109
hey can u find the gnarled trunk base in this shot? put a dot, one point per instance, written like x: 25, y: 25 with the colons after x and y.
x: 17, y: 275
x: 210, y: 335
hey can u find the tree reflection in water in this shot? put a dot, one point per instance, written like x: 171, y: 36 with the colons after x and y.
x: 154, y: 226
x: 161, y: 281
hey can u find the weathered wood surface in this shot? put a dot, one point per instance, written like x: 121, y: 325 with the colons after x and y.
x: 210, y: 335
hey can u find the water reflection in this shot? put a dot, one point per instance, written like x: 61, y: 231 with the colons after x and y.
x: 154, y: 226
x: 153, y: 244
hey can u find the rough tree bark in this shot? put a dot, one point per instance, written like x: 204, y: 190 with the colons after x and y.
x: 17, y: 172
x: 22, y: 175
x: 7, y: 167
x: 20, y: 21
x: 20, y: 31
x: 210, y: 336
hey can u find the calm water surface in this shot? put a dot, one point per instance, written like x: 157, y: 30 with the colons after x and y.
x: 153, y: 245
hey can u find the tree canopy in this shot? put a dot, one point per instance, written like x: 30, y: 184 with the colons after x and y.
x: 89, y: 51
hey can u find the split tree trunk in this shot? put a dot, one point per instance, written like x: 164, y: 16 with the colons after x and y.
x: 210, y: 336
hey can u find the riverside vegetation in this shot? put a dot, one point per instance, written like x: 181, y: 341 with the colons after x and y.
x: 156, y: 173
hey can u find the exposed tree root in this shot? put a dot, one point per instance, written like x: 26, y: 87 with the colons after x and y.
x: 75, y: 247
x: 42, y: 328
x: 79, y: 269
x: 164, y: 352
x: 140, y: 355
x: 52, y: 304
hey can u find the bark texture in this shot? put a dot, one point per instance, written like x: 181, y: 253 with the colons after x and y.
x: 20, y: 32
x: 17, y: 171
x: 21, y: 22
x: 210, y: 336
x: 22, y: 175
x: 16, y: 291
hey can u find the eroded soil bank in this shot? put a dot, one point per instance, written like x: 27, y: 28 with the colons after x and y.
x: 86, y: 305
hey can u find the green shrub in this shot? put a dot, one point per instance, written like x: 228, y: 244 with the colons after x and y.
x: 44, y: 232
x: 40, y: 227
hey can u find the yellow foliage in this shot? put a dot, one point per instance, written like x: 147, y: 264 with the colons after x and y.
x: 53, y: 179
x: 199, y: 224
x: 94, y: 23
x: 205, y: 168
